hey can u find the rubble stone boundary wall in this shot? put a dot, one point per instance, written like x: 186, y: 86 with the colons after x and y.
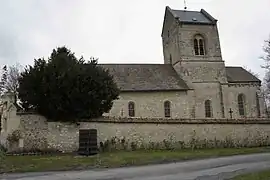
x: 37, y: 132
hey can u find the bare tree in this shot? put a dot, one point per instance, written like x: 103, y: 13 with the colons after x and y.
x: 266, y: 56
x: 10, y: 79
x: 266, y: 82
x: 265, y: 95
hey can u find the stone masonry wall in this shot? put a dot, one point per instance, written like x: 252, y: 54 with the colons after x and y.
x: 205, y: 71
x: 147, y: 133
x: 231, y: 93
x: 180, y: 43
x: 208, y: 91
x: 212, y: 43
x: 205, y: 74
x: 152, y: 104
x: 64, y: 136
x: 34, y: 131
x: 170, y: 38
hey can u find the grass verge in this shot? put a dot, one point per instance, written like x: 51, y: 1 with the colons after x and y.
x: 263, y: 175
x: 114, y: 159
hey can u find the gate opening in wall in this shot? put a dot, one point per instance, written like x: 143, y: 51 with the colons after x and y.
x: 88, y: 142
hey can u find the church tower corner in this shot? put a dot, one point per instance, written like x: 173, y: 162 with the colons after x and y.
x: 190, y: 36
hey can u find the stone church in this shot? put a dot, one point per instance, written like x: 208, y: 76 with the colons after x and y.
x: 193, y: 82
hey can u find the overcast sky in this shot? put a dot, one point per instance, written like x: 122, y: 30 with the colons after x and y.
x: 124, y: 31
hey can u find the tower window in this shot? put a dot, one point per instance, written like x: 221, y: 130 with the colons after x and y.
x: 131, y: 109
x: 199, y: 45
x: 241, y: 104
x: 196, y: 47
x: 167, y: 109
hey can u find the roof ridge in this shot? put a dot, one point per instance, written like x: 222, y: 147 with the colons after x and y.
x: 185, y: 10
x: 207, y: 15
x: 132, y: 64
x: 234, y: 67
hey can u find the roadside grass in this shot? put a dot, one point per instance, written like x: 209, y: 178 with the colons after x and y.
x: 263, y: 175
x: 113, y: 159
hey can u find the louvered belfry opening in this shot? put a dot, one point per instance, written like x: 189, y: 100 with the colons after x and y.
x: 88, y: 142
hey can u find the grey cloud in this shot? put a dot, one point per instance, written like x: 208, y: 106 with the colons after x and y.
x: 8, y: 49
x: 124, y: 31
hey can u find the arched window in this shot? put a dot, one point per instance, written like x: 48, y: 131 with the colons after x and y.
x: 208, y: 109
x: 196, y: 47
x: 131, y: 109
x: 170, y: 59
x: 241, y: 104
x: 199, y: 45
x: 258, y: 105
x: 167, y: 109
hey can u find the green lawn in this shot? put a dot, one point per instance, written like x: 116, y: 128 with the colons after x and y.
x: 115, y: 159
x: 263, y: 175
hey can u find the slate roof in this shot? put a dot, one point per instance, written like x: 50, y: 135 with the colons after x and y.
x: 194, y: 17
x: 239, y: 74
x: 146, y: 77
x: 163, y: 77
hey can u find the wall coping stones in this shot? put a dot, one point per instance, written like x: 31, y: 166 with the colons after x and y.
x: 109, y: 119
x: 181, y: 121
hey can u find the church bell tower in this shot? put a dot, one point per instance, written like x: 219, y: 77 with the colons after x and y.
x: 191, y: 40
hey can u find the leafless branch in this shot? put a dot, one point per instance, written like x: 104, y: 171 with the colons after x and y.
x: 266, y: 57
x: 10, y: 78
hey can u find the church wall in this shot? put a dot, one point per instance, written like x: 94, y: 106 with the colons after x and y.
x: 205, y: 78
x: 230, y: 100
x: 180, y: 43
x: 170, y: 44
x: 206, y: 73
x: 208, y: 91
x: 203, y: 71
x: 151, y: 104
